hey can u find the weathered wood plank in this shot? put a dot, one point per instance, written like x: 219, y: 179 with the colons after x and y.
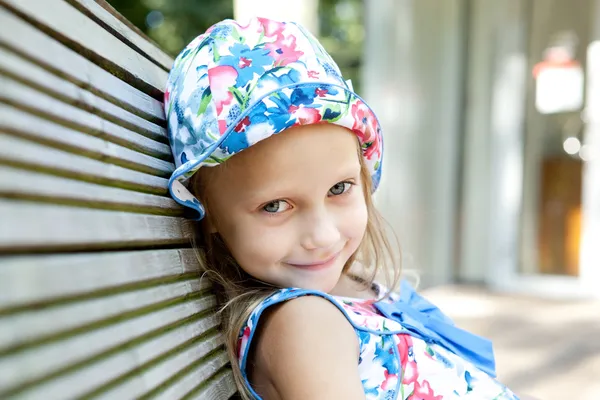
x: 136, y: 41
x: 81, y: 128
x: 51, y: 322
x: 30, y: 186
x: 159, y: 372
x: 220, y: 387
x: 44, y: 279
x: 30, y: 227
x: 103, y: 351
x: 24, y: 39
x: 31, y: 127
x: 193, y: 379
x: 25, y: 97
x: 21, y: 153
x: 41, y: 79
x: 70, y: 26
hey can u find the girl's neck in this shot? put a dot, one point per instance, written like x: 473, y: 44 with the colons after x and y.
x: 353, y: 287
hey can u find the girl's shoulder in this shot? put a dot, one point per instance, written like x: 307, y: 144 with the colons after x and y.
x: 290, y: 330
x: 354, y: 310
x: 277, y: 298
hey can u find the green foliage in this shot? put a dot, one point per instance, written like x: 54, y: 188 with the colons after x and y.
x: 342, y: 33
x: 183, y: 19
x: 177, y: 22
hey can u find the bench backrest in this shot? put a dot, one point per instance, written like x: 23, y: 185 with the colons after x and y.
x: 99, y: 290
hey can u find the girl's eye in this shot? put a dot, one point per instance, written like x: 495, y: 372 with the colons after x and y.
x: 276, y: 206
x: 340, y: 188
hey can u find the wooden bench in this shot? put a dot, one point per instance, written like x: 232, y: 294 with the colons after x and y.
x: 99, y: 290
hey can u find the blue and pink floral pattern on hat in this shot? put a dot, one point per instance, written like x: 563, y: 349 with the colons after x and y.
x: 234, y: 86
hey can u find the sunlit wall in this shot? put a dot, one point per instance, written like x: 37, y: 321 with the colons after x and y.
x: 412, y: 75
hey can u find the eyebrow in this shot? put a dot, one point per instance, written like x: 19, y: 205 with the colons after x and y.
x: 273, y: 193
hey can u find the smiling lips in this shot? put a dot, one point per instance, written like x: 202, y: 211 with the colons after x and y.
x: 314, y: 266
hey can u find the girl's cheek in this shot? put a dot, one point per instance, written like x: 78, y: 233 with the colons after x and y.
x: 262, y: 241
x: 353, y: 219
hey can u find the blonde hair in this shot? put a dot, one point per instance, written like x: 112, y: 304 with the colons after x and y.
x: 238, y: 293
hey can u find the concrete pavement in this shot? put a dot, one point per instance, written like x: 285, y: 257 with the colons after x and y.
x: 546, y: 349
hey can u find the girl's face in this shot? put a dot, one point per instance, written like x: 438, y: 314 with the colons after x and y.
x: 291, y: 208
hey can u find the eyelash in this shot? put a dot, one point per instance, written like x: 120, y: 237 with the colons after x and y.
x: 345, y: 192
x: 350, y: 185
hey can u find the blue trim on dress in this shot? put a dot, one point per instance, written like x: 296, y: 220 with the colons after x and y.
x: 295, y: 293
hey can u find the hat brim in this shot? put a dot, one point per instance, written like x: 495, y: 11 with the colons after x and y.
x: 326, y: 103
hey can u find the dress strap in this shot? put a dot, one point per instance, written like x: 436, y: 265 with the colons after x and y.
x: 248, y: 330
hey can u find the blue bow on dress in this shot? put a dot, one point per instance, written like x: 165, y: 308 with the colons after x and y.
x: 425, y: 321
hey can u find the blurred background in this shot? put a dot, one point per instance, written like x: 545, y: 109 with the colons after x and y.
x: 491, y: 112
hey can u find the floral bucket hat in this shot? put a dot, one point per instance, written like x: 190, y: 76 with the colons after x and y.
x: 234, y: 86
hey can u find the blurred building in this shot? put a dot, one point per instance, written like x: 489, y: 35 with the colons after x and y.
x: 492, y: 119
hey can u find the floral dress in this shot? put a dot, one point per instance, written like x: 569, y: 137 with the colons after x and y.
x: 395, y: 361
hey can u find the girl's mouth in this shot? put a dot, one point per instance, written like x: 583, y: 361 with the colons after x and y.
x: 317, y: 265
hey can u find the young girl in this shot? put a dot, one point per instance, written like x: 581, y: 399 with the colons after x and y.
x: 278, y: 158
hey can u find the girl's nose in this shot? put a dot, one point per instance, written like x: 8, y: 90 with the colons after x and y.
x: 320, y: 230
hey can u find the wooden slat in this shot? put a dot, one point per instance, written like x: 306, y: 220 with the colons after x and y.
x: 98, y: 356
x: 27, y: 72
x: 30, y: 186
x: 40, y: 227
x: 128, y: 35
x: 25, y: 97
x: 84, y: 159
x: 221, y: 386
x: 43, y: 279
x: 22, y: 124
x: 41, y: 130
x: 162, y: 374
x: 194, y: 379
x: 24, y: 329
x: 29, y: 155
x: 94, y: 273
x: 99, y: 380
x: 21, y: 37
x: 70, y: 26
